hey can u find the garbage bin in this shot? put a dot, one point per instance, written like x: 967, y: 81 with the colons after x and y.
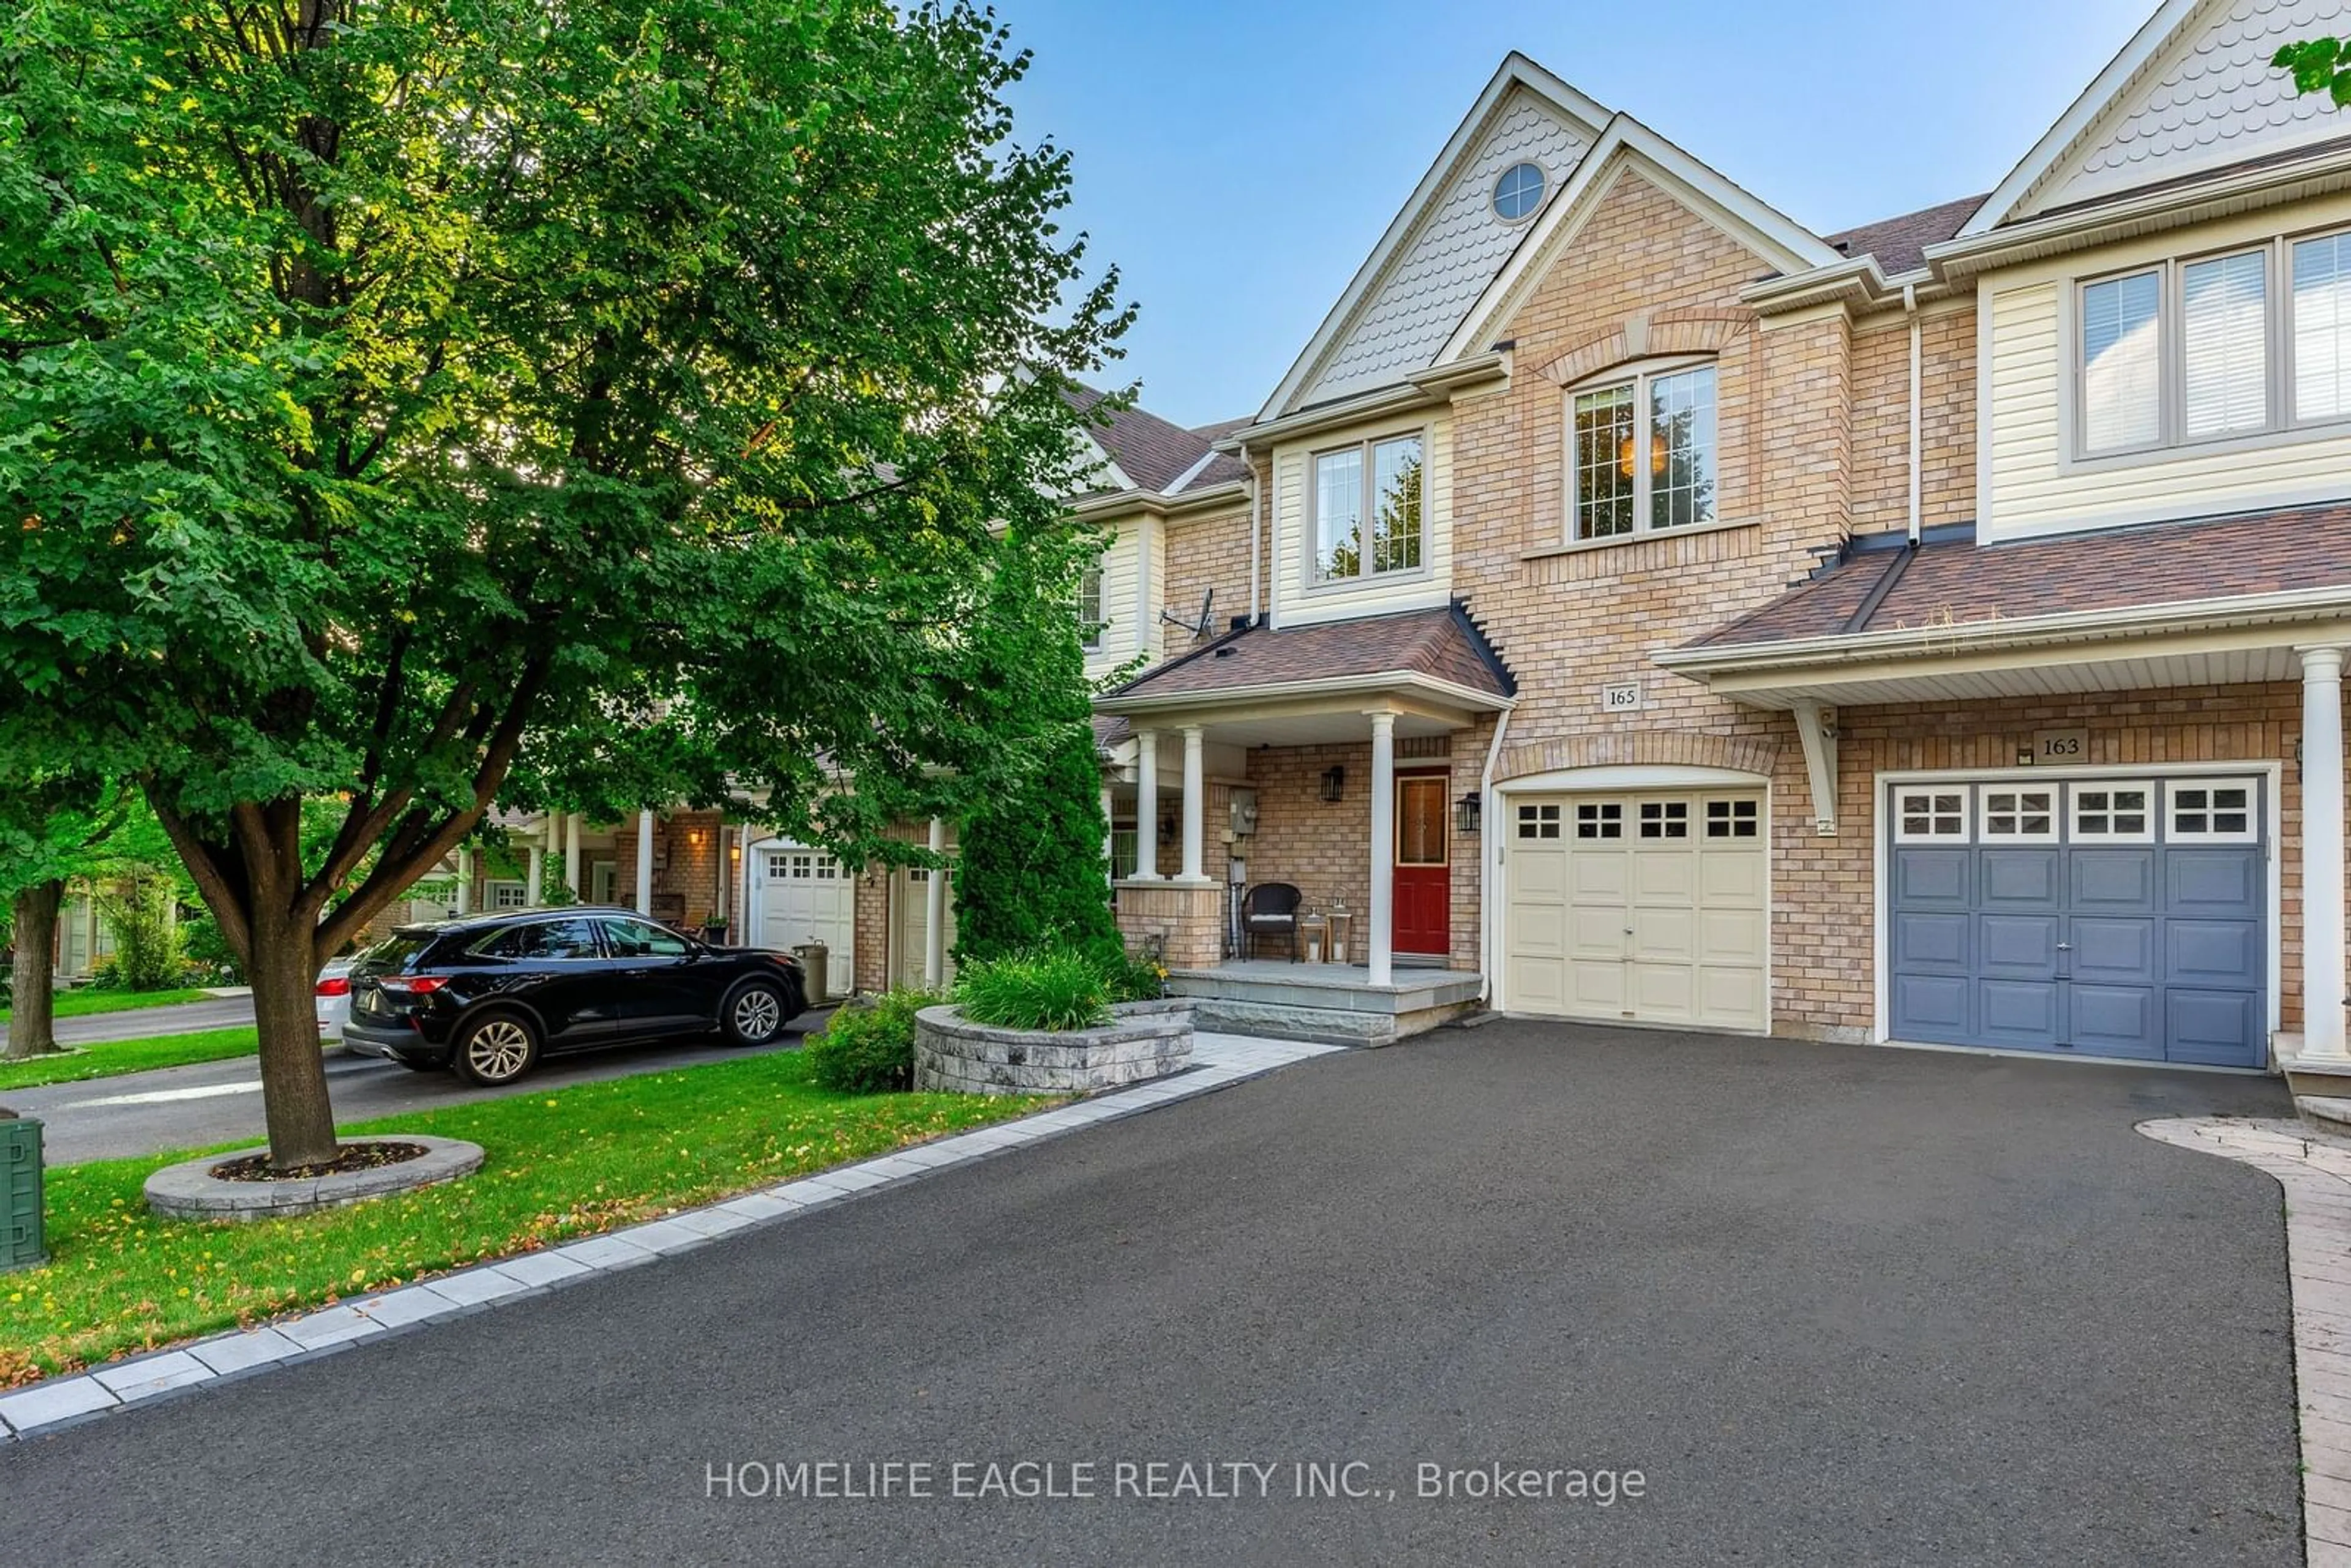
x: 20, y: 1192
x: 812, y: 957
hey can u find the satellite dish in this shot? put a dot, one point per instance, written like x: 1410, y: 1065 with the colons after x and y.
x: 1200, y: 627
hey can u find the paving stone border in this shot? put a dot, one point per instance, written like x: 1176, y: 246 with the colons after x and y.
x: 1219, y: 1061
x: 2316, y: 1172
x: 189, y: 1190
x: 1142, y: 1040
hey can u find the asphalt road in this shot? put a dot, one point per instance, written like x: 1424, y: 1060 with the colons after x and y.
x: 1836, y: 1305
x: 220, y: 1102
x: 146, y: 1023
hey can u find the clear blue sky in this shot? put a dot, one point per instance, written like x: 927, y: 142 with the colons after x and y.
x: 1238, y: 160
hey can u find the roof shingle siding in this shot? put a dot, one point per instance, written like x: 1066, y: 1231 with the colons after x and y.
x: 1444, y: 644
x: 1961, y: 583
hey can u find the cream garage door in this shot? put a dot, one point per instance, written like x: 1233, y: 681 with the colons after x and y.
x: 1646, y: 908
x: 807, y: 895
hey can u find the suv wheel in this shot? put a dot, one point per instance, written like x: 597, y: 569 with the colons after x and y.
x: 496, y: 1048
x: 755, y: 1014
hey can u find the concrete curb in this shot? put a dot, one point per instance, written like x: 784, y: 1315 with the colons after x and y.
x: 1219, y: 1061
x: 2317, y: 1176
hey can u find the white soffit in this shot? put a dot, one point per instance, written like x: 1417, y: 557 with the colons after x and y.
x: 2193, y: 91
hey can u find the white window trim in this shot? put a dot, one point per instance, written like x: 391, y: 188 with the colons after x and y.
x: 1961, y: 840
x: 2252, y: 830
x: 1090, y: 629
x: 1638, y: 375
x: 2283, y: 424
x: 2073, y: 833
x: 1983, y: 827
x: 1312, y: 536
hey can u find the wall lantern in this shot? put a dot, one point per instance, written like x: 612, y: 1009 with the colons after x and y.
x: 1167, y: 827
x: 1334, y: 784
x: 1465, y: 813
x: 694, y: 837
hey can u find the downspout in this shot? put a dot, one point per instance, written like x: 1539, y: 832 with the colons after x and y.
x: 1257, y: 538
x: 1910, y: 307
x: 1491, y: 835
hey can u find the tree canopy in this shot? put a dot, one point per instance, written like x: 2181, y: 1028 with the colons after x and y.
x: 611, y: 404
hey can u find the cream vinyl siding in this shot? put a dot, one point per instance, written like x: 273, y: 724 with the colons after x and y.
x: 1118, y: 636
x: 2035, y: 480
x: 1297, y: 600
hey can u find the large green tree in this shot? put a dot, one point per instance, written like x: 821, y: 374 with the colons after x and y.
x: 405, y: 401
x: 57, y: 828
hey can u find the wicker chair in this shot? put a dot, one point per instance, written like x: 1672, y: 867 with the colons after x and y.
x: 1270, y: 910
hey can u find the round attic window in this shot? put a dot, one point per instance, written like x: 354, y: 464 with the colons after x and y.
x: 1518, y: 192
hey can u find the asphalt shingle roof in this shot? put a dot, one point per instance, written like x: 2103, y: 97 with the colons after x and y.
x: 1153, y: 451
x: 1957, y: 581
x: 1900, y: 243
x: 1443, y: 644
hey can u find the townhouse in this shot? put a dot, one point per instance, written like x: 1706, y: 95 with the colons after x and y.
x: 1633, y: 606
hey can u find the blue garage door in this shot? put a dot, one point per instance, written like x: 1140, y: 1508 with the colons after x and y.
x: 2097, y: 918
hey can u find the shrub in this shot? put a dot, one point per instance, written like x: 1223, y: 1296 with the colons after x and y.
x: 1129, y: 976
x: 867, y: 1047
x: 212, y: 961
x: 1031, y: 873
x: 146, y: 939
x: 1058, y: 990
x: 106, y: 975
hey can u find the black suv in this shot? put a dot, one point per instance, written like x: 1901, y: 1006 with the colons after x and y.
x: 488, y: 994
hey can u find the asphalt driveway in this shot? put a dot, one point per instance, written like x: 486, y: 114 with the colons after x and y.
x: 1836, y: 1305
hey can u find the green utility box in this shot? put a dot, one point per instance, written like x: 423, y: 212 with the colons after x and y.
x: 20, y: 1192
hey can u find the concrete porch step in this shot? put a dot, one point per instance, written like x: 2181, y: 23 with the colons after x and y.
x: 1329, y: 1003
x: 2325, y: 1113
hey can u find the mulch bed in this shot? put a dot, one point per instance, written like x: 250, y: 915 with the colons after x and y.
x: 351, y: 1158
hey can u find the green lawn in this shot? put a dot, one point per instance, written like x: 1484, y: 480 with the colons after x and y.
x: 562, y: 1165
x: 81, y: 1004
x: 104, y: 1059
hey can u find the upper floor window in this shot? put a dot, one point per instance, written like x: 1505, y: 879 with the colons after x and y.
x: 1518, y: 192
x: 1643, y: 453
x: 1376, y: 482
x: 1090, y: 609
x: 2200, y: 350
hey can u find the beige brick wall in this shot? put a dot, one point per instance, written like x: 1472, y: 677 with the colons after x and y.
x: 1204, y: 553
x: 1187, y: 920
x: 1881, y: 418
x: 686, y: 872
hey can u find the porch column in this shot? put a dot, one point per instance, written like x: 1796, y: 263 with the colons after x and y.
x: 2322, y: 853
x: 934, y: 911
x: 465, y: 881
x: 725, y: 869
x: 571, y: 831
x: 1383, y: 928
x: 1109, y: 833
x: 1195, y: 800
x: 1146, y: 803
x: 535, y: 878
x: 645, y: 862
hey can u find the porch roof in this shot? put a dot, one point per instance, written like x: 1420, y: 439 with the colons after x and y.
x: 2213, y: 602
x: 1441, y: 650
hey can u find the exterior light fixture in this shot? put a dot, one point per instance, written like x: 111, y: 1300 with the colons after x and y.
x: 1467, y: 812
x: 1334, y: 784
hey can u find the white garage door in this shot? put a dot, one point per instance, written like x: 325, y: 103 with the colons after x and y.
x: 807, y: 895
x: 1647, y: 908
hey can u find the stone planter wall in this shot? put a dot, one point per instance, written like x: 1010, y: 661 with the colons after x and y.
x: 1142, y: 1039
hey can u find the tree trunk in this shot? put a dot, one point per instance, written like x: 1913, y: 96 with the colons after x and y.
x: 284, y: 966
x: 31, y: 1014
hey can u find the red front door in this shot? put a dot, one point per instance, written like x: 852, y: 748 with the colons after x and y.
x: 1424, y: 872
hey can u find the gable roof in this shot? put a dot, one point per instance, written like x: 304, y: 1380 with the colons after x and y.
x: 1147, y: 453
x: 1441, y: 644
x: 2193, y: 91
x: 1420, y: 291
x: 1779, y: 240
